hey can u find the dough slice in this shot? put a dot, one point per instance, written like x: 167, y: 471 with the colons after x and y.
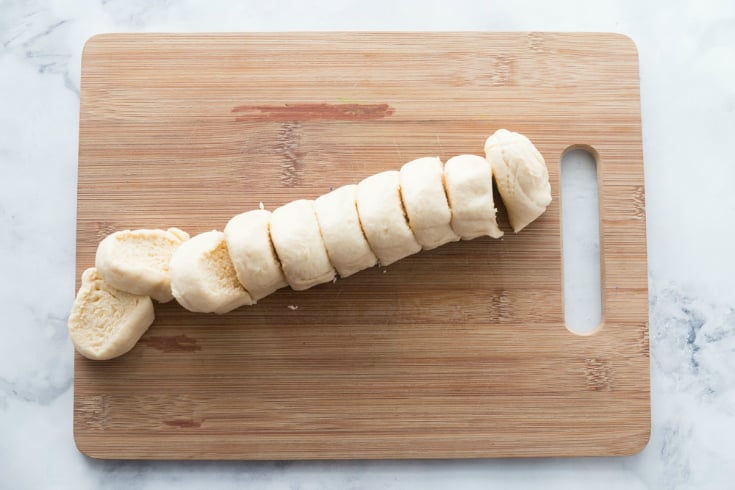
x: 106, y: 322
x: 136, y: 261
x: 425, y: 201
x: 299, y: 245
x: 521, y: 176
x: 469, y: 185
x: 347, y: 247
x: 382, y: 217
x: 203, y: 278
x: 249, y: 243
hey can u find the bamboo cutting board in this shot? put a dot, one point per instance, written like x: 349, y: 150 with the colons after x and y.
x: 457, y: 352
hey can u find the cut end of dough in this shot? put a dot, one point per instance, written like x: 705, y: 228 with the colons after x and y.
x: 521, y: 176
x: 105, y: 322
x: 203, y: 278
x: 137, y: 261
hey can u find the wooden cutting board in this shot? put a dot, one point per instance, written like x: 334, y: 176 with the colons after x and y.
x: 454, y: 353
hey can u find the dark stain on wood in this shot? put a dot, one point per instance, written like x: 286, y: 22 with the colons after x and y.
x: 175, y: 343
x: 183, y: 423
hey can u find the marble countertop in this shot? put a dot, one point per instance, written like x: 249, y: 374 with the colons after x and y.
x: 687, y: 55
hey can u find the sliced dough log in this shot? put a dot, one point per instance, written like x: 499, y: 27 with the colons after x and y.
x: 137, y: 261
x: 251, y: 250
x: 346, y: 245
x: 425, y: 201
x: 521, y: 176
x: 469, y: 185
x: 383, y: 219
x: 299, y: 245
x: 203, y: 278
x: 106, y: 322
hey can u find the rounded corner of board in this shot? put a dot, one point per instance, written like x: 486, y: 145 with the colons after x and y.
x: 625, y: 41
x: 639, y: 444
x: 93, y: 40
x: 85, y: 448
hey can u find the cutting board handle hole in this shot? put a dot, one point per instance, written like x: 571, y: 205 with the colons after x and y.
x: 580, y: 219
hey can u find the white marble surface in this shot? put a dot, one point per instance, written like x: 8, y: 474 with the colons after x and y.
x: 687, y: 56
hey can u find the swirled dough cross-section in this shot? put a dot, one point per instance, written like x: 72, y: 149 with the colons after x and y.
x: 521, y: 176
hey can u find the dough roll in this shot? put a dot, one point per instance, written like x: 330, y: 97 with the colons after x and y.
x: 384, y: 218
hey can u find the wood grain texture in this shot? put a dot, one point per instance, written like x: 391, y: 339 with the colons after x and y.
x: 457, y: 352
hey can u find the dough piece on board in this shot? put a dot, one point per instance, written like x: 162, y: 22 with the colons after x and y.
x: 347, y: 247
x: 425, y: 201
x: 137, y: 261
x: 203, y: 278
x: 521, y: 176
x: 383, y: 219
x: 469, y: 185
x: 106, y: 322
x: 251, y: 250
x: 299, y: 245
